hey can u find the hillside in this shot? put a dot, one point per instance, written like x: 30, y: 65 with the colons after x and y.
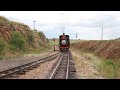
x: 118, y: 39
x: 109, y: 49
x: 16, y: 38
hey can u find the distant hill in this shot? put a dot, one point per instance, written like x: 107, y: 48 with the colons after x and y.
x: 118, y: 39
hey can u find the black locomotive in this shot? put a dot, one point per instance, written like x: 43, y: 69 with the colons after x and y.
x: 64, y: 43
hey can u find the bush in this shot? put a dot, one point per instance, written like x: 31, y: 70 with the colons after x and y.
x: 18, y: 41
x: 40, y: 43
x: 30, y: 38
x: 13, y: 48
x: 2, y: 46
x: 35, y: 30
x: 41, y: 34
x: 1, y: 57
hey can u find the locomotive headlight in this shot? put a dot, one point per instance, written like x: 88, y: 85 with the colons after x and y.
x: 63, y: 42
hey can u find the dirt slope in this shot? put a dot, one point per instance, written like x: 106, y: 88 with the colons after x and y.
x: 109, y: 49
x: 7, y: 27
x: 9, y: 30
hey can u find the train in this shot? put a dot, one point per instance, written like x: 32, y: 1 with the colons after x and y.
x: 64, y: 43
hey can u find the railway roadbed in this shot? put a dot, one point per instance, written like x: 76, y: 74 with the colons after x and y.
x: 31, y: 65
x: 7, y: 64
x: 37, y: 73
x: 63, y: 68
x: 58, y: 65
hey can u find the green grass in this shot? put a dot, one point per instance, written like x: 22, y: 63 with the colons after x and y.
x: 110, y: 69
x: 1, y: 57
x: 107, y: 68
x: 37, y: 51
x: 2, y: 45
x: 52, y: 43
x: 74, y: 41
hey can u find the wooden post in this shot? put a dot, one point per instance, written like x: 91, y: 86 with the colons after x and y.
x: 54, y: 43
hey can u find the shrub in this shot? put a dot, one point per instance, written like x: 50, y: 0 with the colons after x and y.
x: 13, y: 48
x: 2, y: 46
x: 18, y: 40
x: 40, y: 43
x: 41, y: 34
x: 1, y: 57
x: 30, y: 38
x: 35, y: 29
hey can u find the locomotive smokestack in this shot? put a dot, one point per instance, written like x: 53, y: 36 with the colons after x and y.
x: 63, y: 33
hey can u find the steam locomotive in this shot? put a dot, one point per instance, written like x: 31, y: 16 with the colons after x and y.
x: 64, y: 43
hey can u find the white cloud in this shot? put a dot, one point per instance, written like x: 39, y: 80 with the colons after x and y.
x: 86, y: 23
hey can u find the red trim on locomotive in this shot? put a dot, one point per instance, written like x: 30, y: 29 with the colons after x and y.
x: 63, y: 37
x: 64, y: 47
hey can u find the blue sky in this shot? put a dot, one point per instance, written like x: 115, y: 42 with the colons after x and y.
x: 87, y: 24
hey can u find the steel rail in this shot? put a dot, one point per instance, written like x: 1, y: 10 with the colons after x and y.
x: 53, y: 73
x: 58, y: 65
x: 17, y: 69
x: 67, y: 66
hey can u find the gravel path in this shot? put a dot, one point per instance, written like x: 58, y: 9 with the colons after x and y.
x: 6, y: 64
x: 84, y: 68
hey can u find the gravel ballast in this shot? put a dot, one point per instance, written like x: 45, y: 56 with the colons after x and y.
x: 7, y: 64
x: 40, y: 72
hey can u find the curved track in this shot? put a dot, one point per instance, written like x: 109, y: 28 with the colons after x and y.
x: 23, y: 68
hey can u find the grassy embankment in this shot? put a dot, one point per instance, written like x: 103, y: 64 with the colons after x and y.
x: 103, y: 54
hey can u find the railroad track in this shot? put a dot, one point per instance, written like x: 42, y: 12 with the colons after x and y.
x: 24, y: 68
x: 64, y: 68
x: 61, y: 69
